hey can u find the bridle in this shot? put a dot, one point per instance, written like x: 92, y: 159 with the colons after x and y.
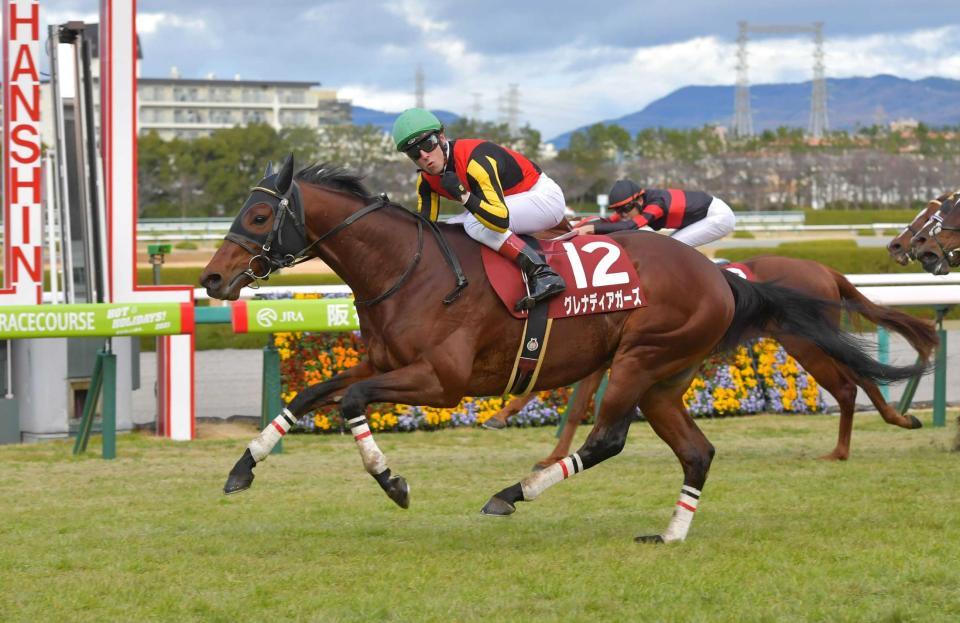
x: 275, y: 251
x: 938, y: 226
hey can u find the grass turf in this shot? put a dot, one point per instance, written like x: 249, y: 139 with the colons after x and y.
x: 779, y: 535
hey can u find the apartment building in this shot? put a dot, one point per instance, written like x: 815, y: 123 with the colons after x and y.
x: 188, y: 108
x: 184, y: 108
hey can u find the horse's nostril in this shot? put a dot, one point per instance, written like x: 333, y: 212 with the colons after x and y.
x: 211, y: 281
x: 895, y: 246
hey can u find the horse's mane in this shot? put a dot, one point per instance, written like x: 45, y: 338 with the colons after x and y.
x: 333, y: 177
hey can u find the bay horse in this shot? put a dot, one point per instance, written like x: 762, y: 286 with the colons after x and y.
x: 900, y: 248
x: 811, y: 278
x: 936, y: 244
x: 423, y: 349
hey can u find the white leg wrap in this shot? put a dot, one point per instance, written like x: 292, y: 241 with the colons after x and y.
x: 682, y: 515
x: 261, y: 446
x: 538, y: 482
x: 374, y: 460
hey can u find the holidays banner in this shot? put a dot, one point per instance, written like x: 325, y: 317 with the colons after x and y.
x: 95, y: 319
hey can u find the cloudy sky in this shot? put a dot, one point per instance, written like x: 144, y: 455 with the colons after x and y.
x: 574, y: 62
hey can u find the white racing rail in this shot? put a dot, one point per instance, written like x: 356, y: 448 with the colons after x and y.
x: 883, y: 289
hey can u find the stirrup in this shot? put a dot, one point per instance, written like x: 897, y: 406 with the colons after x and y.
x: 530, y: 301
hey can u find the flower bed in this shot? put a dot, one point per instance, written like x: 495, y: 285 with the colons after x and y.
x: 758, y: 377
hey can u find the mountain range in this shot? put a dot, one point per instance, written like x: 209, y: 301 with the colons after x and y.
x: 851, y: 103
x: 384, y: 120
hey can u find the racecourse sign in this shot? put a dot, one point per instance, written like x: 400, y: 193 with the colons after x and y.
x: 95, y: 319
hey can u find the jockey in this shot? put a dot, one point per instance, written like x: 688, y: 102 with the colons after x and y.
x: 696, y: 217
x: 503, y: 192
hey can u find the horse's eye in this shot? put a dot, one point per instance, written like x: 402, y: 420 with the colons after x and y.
x: 259, y: 219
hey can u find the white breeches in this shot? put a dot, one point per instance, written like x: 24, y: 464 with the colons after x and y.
x: 535, y: 210
x: 718, y: 222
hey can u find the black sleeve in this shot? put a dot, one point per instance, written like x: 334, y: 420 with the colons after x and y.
x: 606, y: 227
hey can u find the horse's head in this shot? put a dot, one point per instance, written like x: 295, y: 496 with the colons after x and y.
x: 267, y: 234
x: 936, y: 244
x: 899, y: 248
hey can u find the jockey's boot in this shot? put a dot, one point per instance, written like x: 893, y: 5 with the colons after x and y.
x: 542, y: 281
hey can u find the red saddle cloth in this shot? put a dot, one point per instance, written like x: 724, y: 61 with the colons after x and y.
x: 600, y: 277
x: 740, y: 270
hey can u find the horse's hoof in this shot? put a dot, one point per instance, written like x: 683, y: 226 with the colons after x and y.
x: 399, y: 491
x: 237, y: 483
x: 834, y: 456
x: 496, y: 507
x: 648, y: 538
x: 241, y: 476
x: 494, y: 424
x: 914, y: 422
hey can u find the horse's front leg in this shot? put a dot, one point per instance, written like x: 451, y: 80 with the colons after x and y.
x: 417, y: 383
x: 313, y: 397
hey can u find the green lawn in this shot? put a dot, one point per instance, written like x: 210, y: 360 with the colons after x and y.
x: 779, y: 536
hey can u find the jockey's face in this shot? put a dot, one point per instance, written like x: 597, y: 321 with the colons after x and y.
x: 433, y: 161
x: 630, y: 210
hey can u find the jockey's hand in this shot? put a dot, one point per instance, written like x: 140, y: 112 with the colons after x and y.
x: 451, y: 183
x: 583, y: 228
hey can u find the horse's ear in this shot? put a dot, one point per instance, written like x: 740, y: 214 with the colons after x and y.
x: 285, y: 176
x: 269, y: 170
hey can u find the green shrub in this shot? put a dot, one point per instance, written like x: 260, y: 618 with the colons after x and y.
x: 866, y: 232
x: 742, y: 233
x: 186, y: 245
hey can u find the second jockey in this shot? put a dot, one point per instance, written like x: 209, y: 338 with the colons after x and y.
x: 503, y: 194
x: 696, y: 217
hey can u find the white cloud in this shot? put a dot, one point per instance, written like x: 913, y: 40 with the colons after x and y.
x: 150, y: 23
x: 569, y: 86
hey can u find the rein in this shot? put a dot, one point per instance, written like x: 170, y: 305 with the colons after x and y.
x: 293, y: 205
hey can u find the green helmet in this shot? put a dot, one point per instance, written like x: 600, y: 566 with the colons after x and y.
x: 412, y: 123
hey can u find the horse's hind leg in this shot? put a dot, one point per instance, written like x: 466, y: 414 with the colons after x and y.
x: 606, y: 439
x: 663, y: 407
x: 313, y: 397
x: 887, y: 412
x: 833, y: 378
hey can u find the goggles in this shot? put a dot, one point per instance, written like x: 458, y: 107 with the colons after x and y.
x: 426, y: 144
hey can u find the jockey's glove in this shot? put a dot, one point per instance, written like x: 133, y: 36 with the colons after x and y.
x: 451, y: 183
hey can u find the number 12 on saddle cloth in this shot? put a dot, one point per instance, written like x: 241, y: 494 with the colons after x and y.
x: 600, y: 277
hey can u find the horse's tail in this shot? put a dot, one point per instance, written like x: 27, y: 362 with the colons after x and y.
x: 921, y: 334
x: 759, y: 306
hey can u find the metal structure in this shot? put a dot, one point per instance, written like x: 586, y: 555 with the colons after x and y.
x: 510, y: 110
x: 742, y: 115
x: 419, y: 91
